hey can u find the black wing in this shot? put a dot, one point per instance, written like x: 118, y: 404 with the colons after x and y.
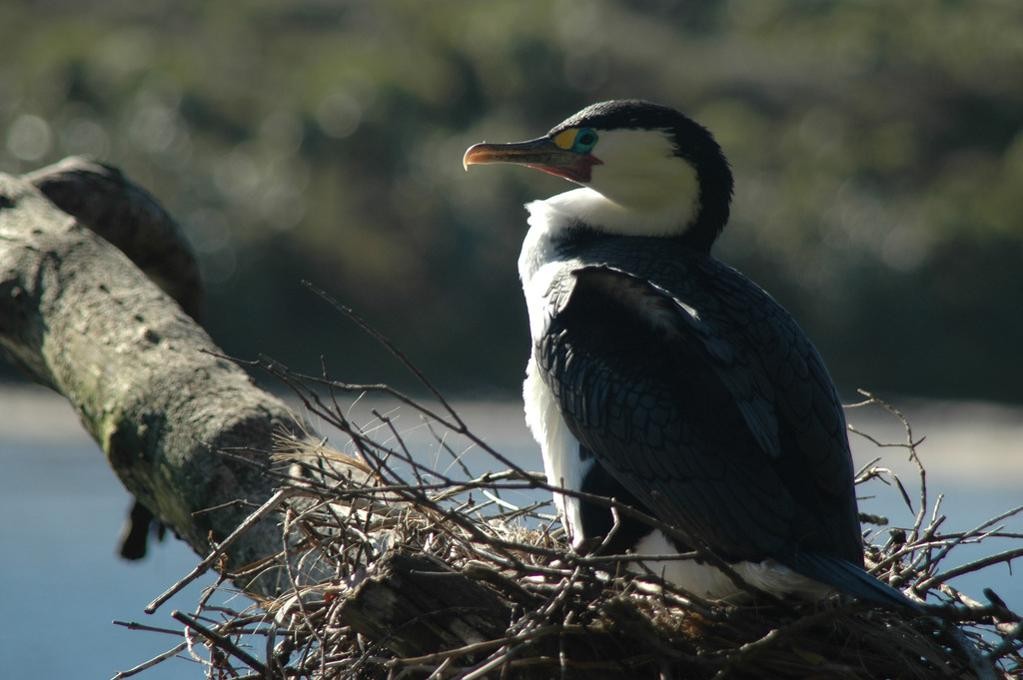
x: 704, y: 399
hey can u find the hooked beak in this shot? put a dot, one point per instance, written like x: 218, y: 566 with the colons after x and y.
x: 540, y: 154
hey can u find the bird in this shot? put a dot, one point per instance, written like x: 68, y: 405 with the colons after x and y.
x: 665, y: 379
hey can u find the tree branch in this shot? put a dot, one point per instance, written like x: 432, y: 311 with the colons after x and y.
x: 79, y: 317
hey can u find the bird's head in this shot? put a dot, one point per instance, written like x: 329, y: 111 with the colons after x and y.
x: 660, y: 173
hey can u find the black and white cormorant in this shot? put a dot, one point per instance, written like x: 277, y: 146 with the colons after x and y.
x: 665, y: 379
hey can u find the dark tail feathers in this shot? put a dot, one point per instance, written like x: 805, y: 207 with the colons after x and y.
x: 849, y: 579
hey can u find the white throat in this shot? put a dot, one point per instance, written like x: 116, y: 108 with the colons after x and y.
x: 669, y: 217
x: 584, y: 206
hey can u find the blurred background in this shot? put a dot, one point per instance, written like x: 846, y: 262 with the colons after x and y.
x: 877, y: 149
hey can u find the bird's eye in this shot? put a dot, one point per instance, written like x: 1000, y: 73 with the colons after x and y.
x: 584, y: 140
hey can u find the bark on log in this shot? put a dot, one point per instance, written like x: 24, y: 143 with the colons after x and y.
x: 78, y: 316
x: 127, y: 216
x: 133, y: 221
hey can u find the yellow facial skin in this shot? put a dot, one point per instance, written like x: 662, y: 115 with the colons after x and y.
x: 566, y: 138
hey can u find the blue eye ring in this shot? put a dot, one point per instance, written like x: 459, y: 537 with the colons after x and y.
x: 585, y: 140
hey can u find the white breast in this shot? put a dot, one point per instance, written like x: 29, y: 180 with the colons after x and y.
x: 538, y: 264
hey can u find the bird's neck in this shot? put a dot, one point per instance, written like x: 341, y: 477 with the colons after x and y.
x: 662, y: 214
x: 554, y: 220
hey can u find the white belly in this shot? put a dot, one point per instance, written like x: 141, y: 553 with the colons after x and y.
x: 560, y: 450
x: 709, y: 582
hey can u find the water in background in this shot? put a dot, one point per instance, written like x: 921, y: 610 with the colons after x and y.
x: 60, y: 580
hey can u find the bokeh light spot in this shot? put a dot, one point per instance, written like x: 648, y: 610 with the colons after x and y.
x: 29, y: 137
x: 339, y: 114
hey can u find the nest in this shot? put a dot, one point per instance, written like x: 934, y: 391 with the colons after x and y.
x: 394, y: 569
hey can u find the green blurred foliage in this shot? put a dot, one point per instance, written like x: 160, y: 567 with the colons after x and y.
x: 877, y: 147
